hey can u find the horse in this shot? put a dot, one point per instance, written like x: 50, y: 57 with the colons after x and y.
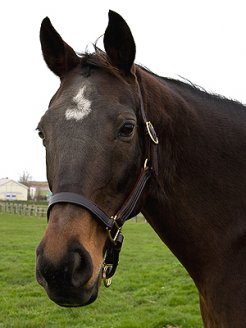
x: 121, y: 140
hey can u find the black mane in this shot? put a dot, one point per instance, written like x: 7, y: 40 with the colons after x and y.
x: 191, y: 88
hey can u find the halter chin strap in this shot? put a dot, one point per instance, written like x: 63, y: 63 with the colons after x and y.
x: 114, y: 224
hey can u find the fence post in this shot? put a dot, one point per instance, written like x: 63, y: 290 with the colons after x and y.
x: 22, y: 209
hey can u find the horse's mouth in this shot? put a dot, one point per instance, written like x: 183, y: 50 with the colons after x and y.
x: 67, y: 296
x: 74, y: 300
x: 71, y: 298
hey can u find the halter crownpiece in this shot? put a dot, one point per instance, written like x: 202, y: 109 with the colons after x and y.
x: 114, y: 224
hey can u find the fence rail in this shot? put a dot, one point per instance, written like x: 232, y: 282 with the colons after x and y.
x: 36, y: 210
x: 22, y: 209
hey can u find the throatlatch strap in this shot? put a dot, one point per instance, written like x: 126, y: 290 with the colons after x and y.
x: 128, y: 207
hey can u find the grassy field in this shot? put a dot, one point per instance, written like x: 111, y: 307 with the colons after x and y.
x: 150, y: 288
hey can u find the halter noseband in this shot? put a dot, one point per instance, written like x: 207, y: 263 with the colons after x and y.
x: 114, y: 224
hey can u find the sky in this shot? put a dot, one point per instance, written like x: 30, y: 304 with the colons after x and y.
x: 203, y: 41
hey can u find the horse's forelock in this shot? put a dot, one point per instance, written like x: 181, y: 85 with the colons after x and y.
x: 99, y: 59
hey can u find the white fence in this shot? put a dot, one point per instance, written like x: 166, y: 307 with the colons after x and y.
x: 22, y: 209
x: 36, y: 210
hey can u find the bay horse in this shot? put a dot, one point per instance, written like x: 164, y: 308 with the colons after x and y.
x: 120, y: 139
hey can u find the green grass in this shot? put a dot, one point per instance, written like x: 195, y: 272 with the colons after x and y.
x: 150, y: 288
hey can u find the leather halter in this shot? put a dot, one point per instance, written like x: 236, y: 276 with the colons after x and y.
x: 114, y: 224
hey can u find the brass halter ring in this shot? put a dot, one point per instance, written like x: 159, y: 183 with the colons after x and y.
x: 106, y: 281
x: 113, y: 239
x: 152, y: 133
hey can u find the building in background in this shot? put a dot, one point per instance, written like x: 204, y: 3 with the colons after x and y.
x: 12, y: 190
x: 39, y: 190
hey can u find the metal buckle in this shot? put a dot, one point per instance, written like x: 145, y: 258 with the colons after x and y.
x: 106, y: 281
x: 146, y: 167
x: 114, y: 238
x: 152, y: 133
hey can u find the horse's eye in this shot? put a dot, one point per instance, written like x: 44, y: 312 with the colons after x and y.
x: 126, y: 130
x: 41, y: 135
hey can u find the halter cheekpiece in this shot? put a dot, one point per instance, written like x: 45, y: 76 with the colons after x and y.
x: 114, y: 224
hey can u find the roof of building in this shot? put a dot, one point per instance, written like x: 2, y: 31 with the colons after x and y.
x: 3, y: 181
x: 40, y: 184
x: 7, y: 180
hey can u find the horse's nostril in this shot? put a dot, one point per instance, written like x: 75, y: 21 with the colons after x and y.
x: 81, y: 269
x: 40, y: 277
x: 73, y: 270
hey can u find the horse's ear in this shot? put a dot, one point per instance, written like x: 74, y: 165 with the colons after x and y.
x: 58, y: 55
x: 119, y: 43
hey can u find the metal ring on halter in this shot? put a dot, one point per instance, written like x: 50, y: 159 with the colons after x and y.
x: 111, y: 238
x: 146, y: 164
x: 106, y: 281
x: 152, y: 133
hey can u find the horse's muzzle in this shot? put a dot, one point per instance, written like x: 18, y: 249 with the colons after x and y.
x: 66, y: 282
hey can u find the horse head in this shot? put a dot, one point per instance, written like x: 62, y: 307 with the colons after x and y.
x: 91, y: 133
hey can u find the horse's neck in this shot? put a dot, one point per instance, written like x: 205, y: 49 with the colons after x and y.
x: 189, y: 209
